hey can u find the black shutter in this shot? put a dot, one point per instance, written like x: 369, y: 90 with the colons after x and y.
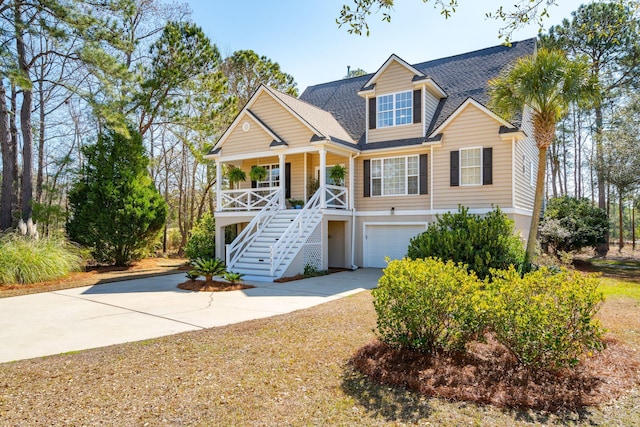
x: 455, y: 168
x: 287, y: 180
x: 424, y: 182
x: 254, y: 184
x: 372, y: 113
x: 367, y: 178
x: 417, y: 106
x: 487, y: 166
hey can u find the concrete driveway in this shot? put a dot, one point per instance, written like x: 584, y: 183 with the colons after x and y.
x: 114, y: 313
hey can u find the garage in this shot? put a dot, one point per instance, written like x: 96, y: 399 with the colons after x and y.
x: 388, y: 240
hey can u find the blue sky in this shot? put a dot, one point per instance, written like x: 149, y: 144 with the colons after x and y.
x: 303, y: 37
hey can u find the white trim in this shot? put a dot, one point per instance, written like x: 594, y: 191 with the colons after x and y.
x: 430, y: 175
x: 388, y: 62
x: 417, y: 212
x: 295, y: 113
x: 383, y: 223
x: 406, y: 176
x: 514, y: 146
x: 431, y: 84
x: 393, y: 110
x: 460, y: 150
x: 458, y: 111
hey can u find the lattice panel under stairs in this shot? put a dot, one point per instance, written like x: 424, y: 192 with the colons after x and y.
x: 312, y: 254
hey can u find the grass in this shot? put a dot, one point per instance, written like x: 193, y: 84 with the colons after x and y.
x: 620, y: 288
x: 27, y: 260
x: 285, y: 370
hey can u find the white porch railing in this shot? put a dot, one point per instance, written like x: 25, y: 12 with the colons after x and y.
x: 248, y: 199
x: 336, y: 197
x: 253, y: 229
x: 295, y: 235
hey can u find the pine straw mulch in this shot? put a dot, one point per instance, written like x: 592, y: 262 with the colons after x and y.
x: 212, y: 286
x: 488, y: 374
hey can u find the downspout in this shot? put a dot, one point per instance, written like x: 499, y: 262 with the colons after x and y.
x: 353, y: 213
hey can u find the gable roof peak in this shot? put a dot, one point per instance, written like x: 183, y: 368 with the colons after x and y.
x: 393, y: 58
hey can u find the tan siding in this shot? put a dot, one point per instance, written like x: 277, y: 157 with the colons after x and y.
x: 430, y: 106
x: 240, y: 142
x: 396, y: 78
x: 413, y: 130
x: 282, y: 122
x: 526, y: 152
x: 384, y: 203
x: 473, y: 128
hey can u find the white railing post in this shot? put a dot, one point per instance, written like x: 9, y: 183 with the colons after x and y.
x: 218, y: 185
x: 323, y: 178
x: 283, y: 180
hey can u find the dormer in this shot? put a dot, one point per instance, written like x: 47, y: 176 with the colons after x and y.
x: 401, y: 101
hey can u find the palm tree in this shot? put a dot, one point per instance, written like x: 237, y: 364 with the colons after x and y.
x: 546, y: 83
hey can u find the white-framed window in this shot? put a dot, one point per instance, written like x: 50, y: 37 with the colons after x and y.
x: 471, y: 166
x: 328, y: 178
x: 395, y: 109
x: 273, y: 177
x: 532, y: 175
x: 395, y: 176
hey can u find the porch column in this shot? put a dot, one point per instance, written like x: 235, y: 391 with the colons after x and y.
x: 351, y: 179
x: 323, y: 178
x: 306, y: 196
x: 283, y: 181
x: 218, y: 185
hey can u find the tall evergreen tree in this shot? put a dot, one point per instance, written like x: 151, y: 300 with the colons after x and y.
x: 115, y: 209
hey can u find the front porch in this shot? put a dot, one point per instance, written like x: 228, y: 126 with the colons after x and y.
x: 284, y: 222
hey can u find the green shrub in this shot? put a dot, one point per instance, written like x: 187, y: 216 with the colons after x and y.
x: 480, y: 242
x: 427, y: 305
x: 570, y: 224
x: 202, y: 242
x: 545, y: 319
x: 232, y: 277
x: 208, y: 267
x: 27, y: 260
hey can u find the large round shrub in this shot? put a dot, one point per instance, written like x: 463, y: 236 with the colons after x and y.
x: 427, y: 305
x: 570, y: 224
x: 480, y: 242
x: 202, y: 241
x: 545, y: 319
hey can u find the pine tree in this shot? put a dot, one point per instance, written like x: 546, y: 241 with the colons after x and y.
x: 115, y: 209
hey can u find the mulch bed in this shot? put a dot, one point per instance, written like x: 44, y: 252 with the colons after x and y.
x: 213, y: 286
x: 488, y: 374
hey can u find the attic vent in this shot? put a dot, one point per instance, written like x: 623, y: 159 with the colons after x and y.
x: 246, y: 126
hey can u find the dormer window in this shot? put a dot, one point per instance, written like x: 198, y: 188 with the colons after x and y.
x: 395, y: 109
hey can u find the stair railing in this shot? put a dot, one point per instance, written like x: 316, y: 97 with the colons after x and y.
x: 241, y: 243
x: 294, y: 236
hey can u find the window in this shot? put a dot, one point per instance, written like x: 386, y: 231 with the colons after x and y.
x: 532, y: 175
x: 471, y: 166
x: 273, y: 177
x: 395, y: 176
x: 395, y: 109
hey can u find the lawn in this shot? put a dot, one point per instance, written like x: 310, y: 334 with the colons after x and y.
x: 286, y: 370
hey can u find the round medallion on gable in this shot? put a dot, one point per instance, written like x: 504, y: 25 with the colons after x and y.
x: 246, y: 126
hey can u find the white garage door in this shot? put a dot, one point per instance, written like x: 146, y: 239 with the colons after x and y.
x: 388, y: 241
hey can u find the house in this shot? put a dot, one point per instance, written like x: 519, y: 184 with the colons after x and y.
x: 416, y: 141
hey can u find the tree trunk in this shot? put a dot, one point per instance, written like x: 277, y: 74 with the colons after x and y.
x: 537, y: 205
x: 25, y: 122
x: 9, y: 158
x: 14, y: 138
x: 41, y: 136
x: 602, y: 248
x: 620, y: 219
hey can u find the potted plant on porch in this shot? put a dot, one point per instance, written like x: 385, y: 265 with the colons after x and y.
x: 337, y: 173
x: 258, y: 173
x: 236, y: 175
x: 296, y: 203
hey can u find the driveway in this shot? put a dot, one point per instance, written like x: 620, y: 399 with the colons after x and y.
x: 114, y: 313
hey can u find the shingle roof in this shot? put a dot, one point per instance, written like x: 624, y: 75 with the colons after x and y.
x: 323, y: 121
x: 461, y: 77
